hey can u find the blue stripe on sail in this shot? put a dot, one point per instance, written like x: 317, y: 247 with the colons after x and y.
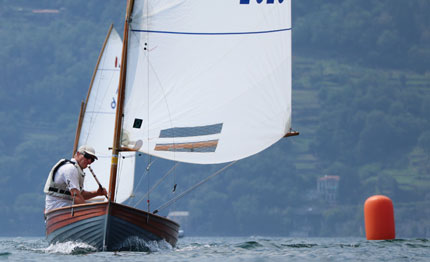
x: 202, y: 33
x: 191, y: 131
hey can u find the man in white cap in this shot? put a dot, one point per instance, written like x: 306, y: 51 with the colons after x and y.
x: 64, y: 185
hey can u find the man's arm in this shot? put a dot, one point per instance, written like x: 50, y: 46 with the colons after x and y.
x: 79, y: 198
x: 90, y: 194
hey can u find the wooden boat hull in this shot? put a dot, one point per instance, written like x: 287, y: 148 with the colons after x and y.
x: 109, y: 226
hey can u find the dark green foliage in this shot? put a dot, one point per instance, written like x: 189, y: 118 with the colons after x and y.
x: 392, y: 34
x: 361, y: 100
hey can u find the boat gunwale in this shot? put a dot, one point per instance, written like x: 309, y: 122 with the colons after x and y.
x: 80, y: 206
x: 74, y: 206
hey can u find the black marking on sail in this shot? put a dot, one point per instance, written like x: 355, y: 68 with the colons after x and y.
x: 191, y: 131
x: 137, y: 123
x: 192, y: 147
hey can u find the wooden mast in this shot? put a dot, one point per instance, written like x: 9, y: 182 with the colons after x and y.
x: 120, y: 101
x: 84, y: 104
x: 78, y: 128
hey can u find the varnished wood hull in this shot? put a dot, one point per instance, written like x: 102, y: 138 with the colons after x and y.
x: 108, y: 226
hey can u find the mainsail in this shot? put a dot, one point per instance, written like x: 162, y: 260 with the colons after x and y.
x: 207, y: 81
x: 99, y: 119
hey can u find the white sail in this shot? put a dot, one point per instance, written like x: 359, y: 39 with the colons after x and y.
x: 208, y: 81
x: 99, y: 120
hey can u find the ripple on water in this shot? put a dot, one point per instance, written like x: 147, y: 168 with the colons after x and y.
x: 250, y: 245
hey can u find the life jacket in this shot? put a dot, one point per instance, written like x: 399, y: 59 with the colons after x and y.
x: 61, y: 190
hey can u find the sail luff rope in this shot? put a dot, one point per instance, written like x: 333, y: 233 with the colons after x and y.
x: 157, y: 184
x: 168, y: 203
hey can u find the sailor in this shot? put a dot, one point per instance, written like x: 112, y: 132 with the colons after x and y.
x: 64, y: 185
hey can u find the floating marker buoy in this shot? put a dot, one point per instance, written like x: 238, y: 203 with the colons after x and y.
x: 379, y: 218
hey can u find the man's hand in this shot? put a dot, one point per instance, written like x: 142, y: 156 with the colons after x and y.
x: 102, y: 192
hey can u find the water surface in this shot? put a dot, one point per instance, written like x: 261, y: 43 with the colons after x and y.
x: 225, y: 249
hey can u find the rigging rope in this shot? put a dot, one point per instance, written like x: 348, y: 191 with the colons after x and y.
x: 146, y: 170
x: 147, y: 201
x: 156, y: 184
x: 148, y: 99
x: 168, y: 203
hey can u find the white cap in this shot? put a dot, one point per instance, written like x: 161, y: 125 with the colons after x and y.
x: 87, y: 149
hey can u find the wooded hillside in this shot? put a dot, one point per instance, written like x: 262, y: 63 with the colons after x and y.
x: 361, y: 101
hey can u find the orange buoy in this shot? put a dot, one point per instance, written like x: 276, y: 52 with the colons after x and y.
x: 379, y: 218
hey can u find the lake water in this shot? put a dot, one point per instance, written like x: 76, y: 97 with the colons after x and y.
x: 225, y: 249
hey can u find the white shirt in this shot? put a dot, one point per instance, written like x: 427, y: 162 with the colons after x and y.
x: 69, y: 175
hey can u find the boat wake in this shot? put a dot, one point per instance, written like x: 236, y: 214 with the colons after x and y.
x: 70, y: 248
x: 140, y: 245
x: 134, y: 244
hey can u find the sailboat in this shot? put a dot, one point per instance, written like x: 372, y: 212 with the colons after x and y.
x: 201, y: 82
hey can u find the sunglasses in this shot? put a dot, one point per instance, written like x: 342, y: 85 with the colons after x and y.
x: 88, y: 156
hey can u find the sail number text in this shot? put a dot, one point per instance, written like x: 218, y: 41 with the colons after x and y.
x: 246, y: 2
